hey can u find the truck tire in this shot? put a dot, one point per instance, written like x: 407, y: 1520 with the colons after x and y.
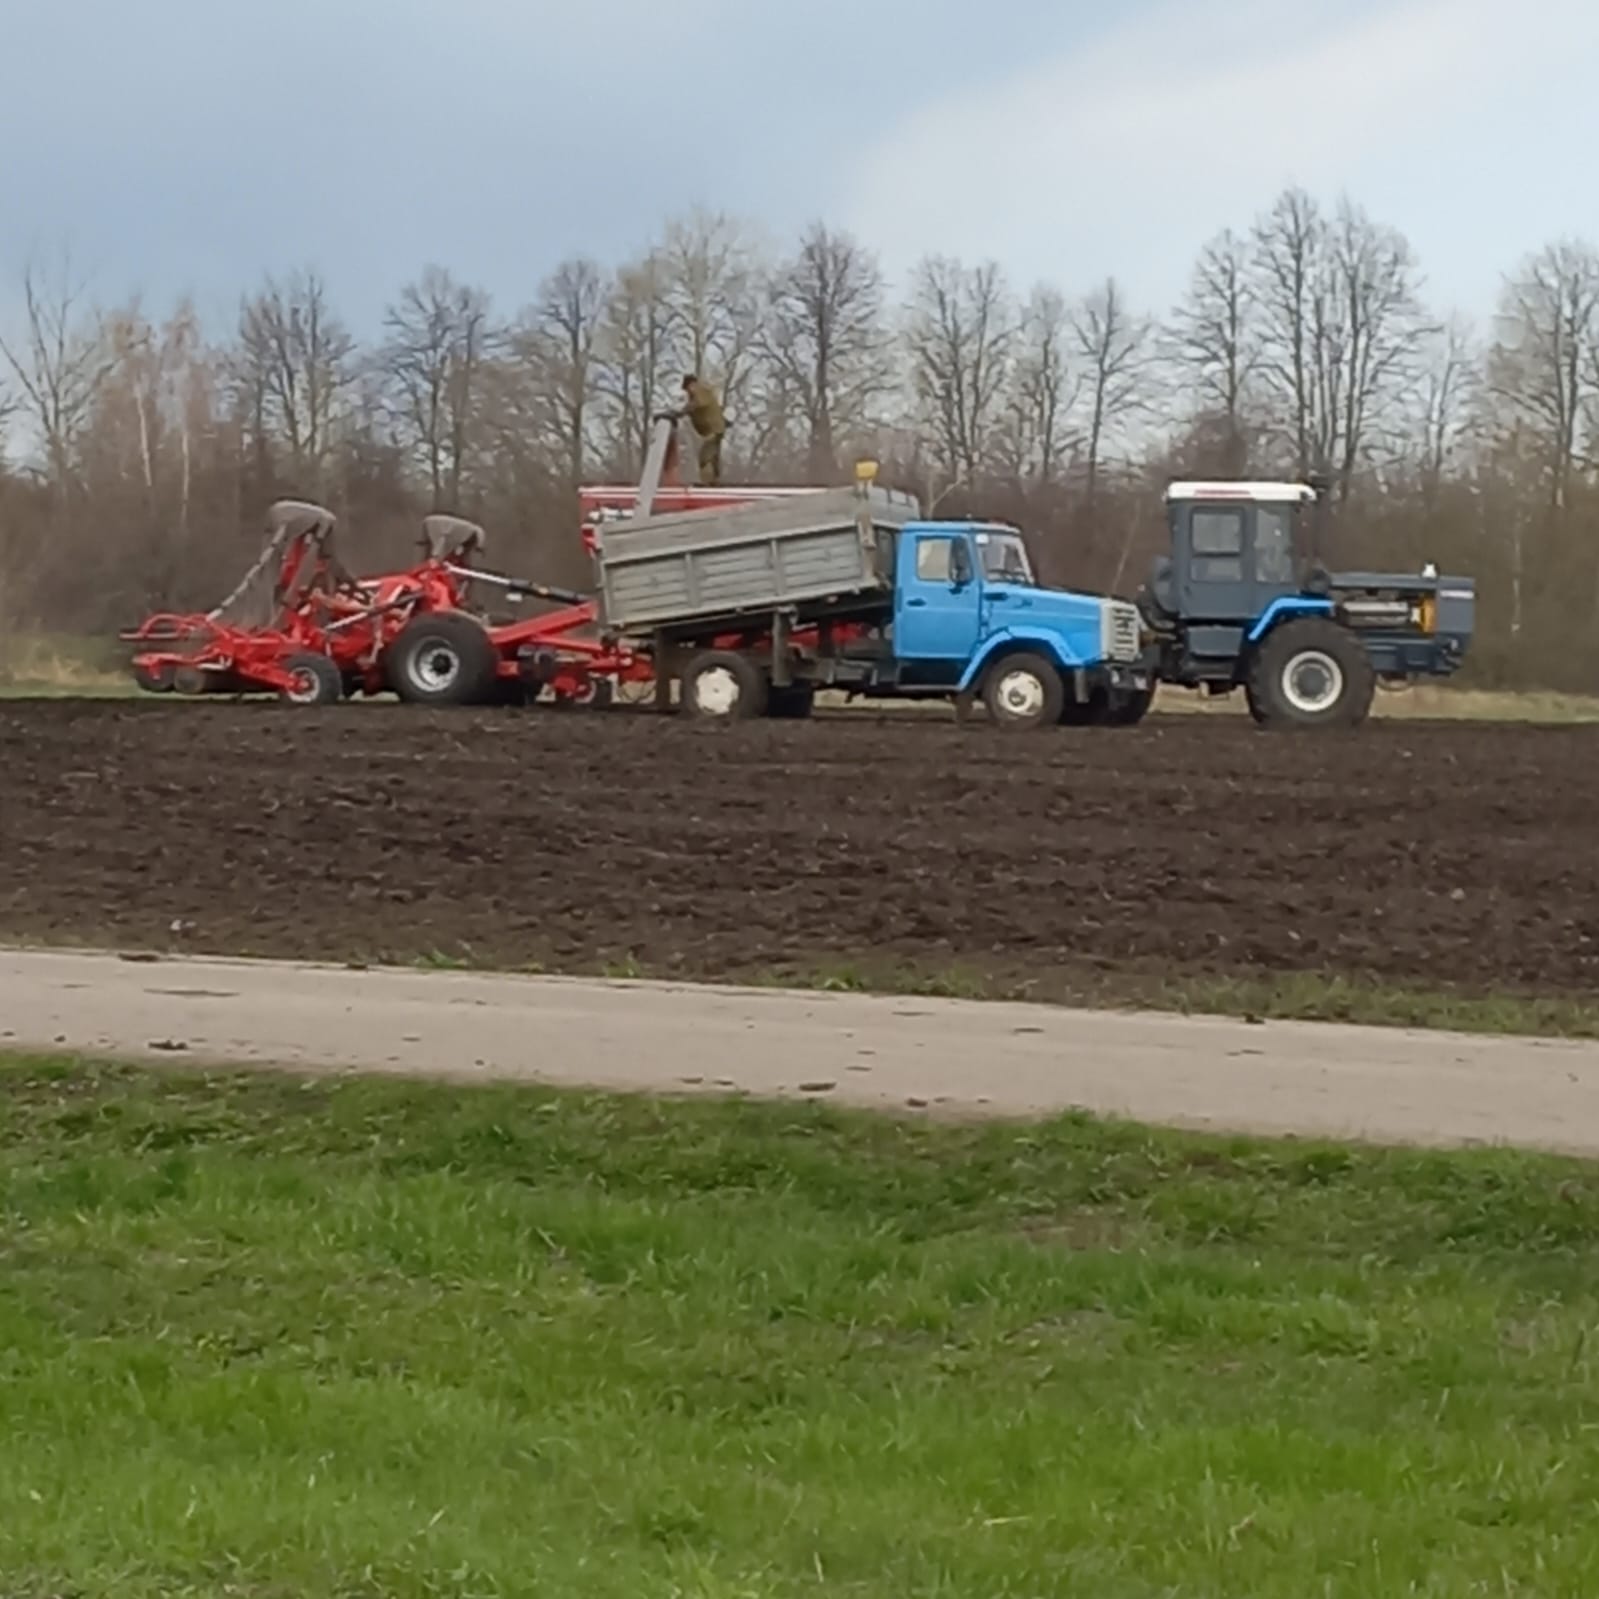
x: 723, y: 686
x: 792, y: 704
x: 1127, y: 707
x: 1023, y: 692
x: 317, y: 681
x: 442, y: 658
x: 1310, y: 673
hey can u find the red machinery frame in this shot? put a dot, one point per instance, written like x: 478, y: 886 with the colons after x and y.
x: 320, y: 611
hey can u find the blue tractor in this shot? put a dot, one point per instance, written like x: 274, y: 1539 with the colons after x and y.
x: 1244, y: 601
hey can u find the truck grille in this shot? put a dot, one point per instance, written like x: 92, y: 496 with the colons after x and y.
x: 1119, y: 631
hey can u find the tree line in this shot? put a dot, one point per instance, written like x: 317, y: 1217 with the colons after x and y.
x: 142, y: 449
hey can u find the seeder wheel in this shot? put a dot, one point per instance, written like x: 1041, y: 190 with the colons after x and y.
x: 315, y: 681
x: 153, y: 679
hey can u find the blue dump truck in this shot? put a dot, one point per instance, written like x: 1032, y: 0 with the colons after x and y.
x: 751, y: 609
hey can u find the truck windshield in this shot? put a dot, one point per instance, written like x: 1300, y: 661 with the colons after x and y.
x: 1004, y: 558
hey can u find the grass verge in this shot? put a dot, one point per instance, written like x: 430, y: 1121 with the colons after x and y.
x: 1280, y: 996
x: 270, y: 1337
x: 53, y: 666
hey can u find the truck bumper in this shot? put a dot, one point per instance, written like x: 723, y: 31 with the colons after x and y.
x: 1113, y: 677
x: 1134, y: 679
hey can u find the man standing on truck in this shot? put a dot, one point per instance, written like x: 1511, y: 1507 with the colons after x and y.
x: 703, y: 407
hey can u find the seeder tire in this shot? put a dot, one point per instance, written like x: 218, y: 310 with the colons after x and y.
x: 317, y: 681
x: 443, y: 658
x: 154, y: 679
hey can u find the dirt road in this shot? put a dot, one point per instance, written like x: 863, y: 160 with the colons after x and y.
x: 941, y: 1056
x: 1084, y: 864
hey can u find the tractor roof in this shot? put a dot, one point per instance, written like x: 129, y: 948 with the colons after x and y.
x: 1259, y: 493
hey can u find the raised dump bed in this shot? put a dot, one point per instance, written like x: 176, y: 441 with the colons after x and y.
x: 831, y: 549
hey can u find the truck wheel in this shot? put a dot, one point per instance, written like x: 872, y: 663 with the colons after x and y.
x: 315, y: 681
x: 1091, y: 712
x: 1311, y: 673
x: 723, y: 686
x: 442, y: 658
x: 792, y: 704
x: 1127, y: 707
x: 1024, y: 691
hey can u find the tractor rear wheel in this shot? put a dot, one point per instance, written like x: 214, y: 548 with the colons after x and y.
x: 1311, y: 673
x: 443, y: 658
x: 723, y: 686
x: 1024, y: 691
x: 315, y: 680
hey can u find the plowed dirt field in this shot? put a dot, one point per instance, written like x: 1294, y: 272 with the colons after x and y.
x: 1445, y: 856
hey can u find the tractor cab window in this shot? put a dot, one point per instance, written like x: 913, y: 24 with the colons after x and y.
x: 1274, y: 544
x: 1217, y: 534
x: 1004, y: 558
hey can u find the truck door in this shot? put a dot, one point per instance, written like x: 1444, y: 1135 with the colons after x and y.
x: 937, y: 603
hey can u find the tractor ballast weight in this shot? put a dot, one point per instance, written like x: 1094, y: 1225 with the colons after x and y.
x: 1244, y: 600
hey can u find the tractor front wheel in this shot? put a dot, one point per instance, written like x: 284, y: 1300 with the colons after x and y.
x: 443, y: 658
x: 313, y: 680
x: 1311, y: 673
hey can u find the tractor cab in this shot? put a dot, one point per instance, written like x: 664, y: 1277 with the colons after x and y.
x: 1235, y: 548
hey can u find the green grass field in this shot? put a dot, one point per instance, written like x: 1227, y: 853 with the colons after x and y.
x: 269, y: 1338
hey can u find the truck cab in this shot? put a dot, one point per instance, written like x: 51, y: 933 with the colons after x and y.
x: 1243, y: 600
x: 970, y: 617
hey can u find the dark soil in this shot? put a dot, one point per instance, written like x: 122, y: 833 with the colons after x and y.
x: 1448, y: 856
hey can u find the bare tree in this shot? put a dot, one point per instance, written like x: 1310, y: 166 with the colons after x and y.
x: 1341, y: 327
x: 1043, y: 392
x: 1214, y: 341
x: 1543, y: 365
x: 960, y: 338
x: 709, y: 279
x: 1380, y: 329
x: 296, y: 369
x: 438, y: 337
x: 1445, y: 398
x: 59, y: 362
x: 561, y: 339
x: 1114, y: 347
x: 634, y: 350
x: 1290, y: 288
x: 826, y: 341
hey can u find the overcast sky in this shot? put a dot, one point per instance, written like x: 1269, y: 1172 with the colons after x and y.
x: 191, y: 145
